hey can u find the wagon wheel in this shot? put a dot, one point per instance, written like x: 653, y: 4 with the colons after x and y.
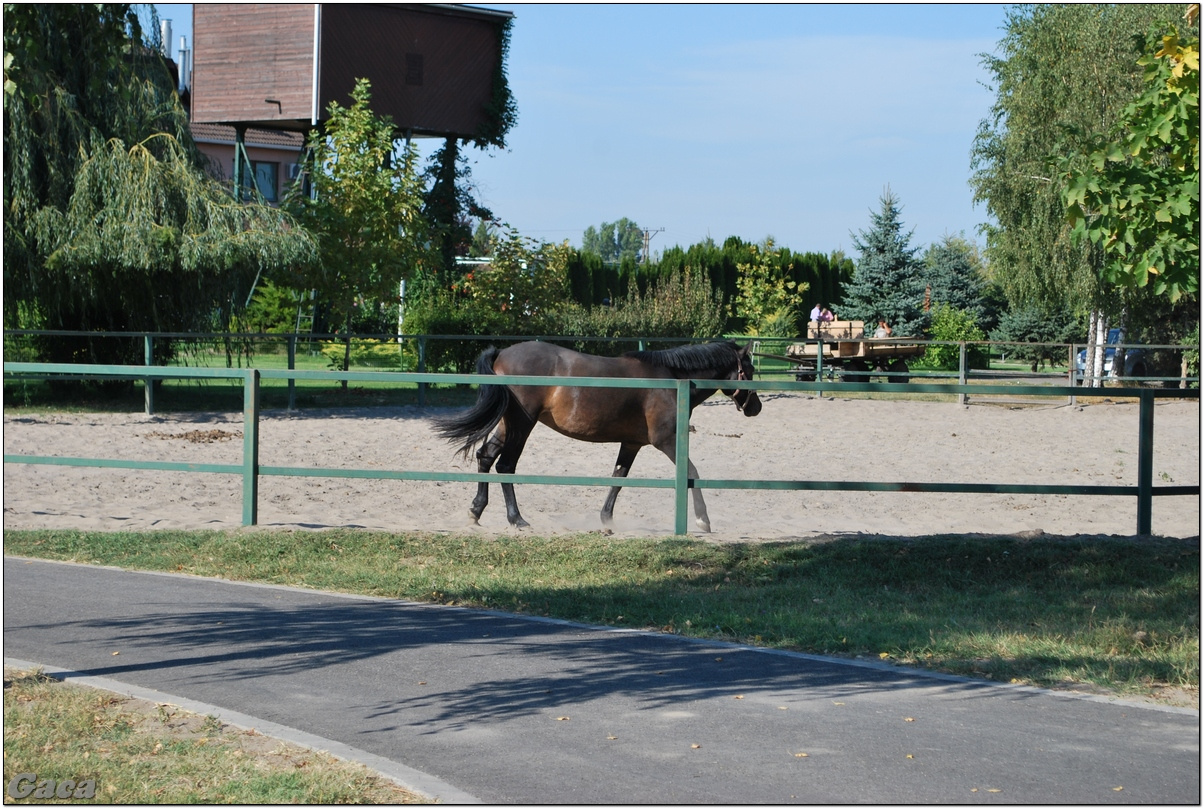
x: 803, y: 374
x: 1139, y: 371
x: 855, y: 371
x: 898, y: 367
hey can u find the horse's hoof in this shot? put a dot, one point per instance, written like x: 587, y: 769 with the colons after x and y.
x: 474, y: 519
x: 521, y: 523
x: 704, y: 526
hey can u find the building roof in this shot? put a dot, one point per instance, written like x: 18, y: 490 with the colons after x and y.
x: 221, y: 133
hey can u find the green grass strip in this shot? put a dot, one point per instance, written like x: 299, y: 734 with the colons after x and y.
x: 109, y: 749
x: 1119, y: 613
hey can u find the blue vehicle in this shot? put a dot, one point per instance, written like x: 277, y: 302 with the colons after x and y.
x: 1135, y: 360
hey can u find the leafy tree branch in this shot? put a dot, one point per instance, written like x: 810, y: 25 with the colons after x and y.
x: 1136, y: 194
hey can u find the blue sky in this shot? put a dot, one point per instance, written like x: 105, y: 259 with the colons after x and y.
x: 749, y: 120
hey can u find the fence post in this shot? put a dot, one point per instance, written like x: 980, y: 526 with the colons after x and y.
x: 292, y: 366
x: 961, y: 371
x: 250, y: 448
x: 682, y: 458
x: 819, y: 365
x: 148, y: 384
x: 1070, y: 375
x: 1145, y: 463
x: 421, y: 370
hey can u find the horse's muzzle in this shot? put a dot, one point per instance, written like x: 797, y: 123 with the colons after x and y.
x: 747, y: 402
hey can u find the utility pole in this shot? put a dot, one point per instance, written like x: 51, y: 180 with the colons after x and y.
x: 648, y: 234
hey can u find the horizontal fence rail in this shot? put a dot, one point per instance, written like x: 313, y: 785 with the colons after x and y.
x: 828, y: 364
x: 251, y: 470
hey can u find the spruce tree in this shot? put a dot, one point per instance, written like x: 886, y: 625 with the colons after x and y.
x: 952, y: 270
x: 887, y: 283
x: 483, y: 239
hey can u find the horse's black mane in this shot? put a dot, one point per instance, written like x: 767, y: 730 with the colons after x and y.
x: 717, y: 356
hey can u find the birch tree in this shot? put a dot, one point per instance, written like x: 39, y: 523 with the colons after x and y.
x: 1063, y: 73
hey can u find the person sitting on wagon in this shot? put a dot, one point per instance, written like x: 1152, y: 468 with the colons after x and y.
x: 817, y: 312
x: 827, y: 315
x: 883, y: 330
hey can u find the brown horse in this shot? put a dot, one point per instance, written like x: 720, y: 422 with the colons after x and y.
x: 633, y: 417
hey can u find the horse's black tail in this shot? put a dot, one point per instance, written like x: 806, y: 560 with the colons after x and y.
x: 473, y: 426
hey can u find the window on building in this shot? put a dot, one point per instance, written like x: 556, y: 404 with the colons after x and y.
x: 414, y: 69
x: 264, y: 175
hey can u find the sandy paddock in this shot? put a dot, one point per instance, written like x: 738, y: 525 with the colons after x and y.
x: 795, y: 437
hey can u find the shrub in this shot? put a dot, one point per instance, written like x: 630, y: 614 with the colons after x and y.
x: 517, y: 293
x: 954, y: 325
x: 766, y: 298
x: 684, y: 305
x: 273, y: 310
x: 443, y: 312
x: 371, y: 354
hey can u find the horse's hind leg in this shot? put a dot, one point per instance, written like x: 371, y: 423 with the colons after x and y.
x: 627, y: 453
x: 507, y: 462
x: 486, y: 455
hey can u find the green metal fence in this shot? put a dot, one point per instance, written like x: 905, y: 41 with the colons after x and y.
x: 251, y: 470
x: 247, y: 348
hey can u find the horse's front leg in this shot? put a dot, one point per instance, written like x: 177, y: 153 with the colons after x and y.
x: 627, y: 453
x: 700, y: 506
x: 486, y: 455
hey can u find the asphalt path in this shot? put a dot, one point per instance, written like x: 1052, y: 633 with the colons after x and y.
x: 508, y: 709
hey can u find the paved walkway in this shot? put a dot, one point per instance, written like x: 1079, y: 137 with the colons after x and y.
x: 475, y: 705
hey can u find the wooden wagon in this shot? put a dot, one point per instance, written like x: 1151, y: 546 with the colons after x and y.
x: 847, y: 351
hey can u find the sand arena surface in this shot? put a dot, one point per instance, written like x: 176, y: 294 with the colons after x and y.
x: 796, y: 437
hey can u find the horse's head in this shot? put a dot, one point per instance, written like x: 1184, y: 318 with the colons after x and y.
x: 746, y: 401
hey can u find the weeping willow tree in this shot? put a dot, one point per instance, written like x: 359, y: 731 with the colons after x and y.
x: 110, y: 221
